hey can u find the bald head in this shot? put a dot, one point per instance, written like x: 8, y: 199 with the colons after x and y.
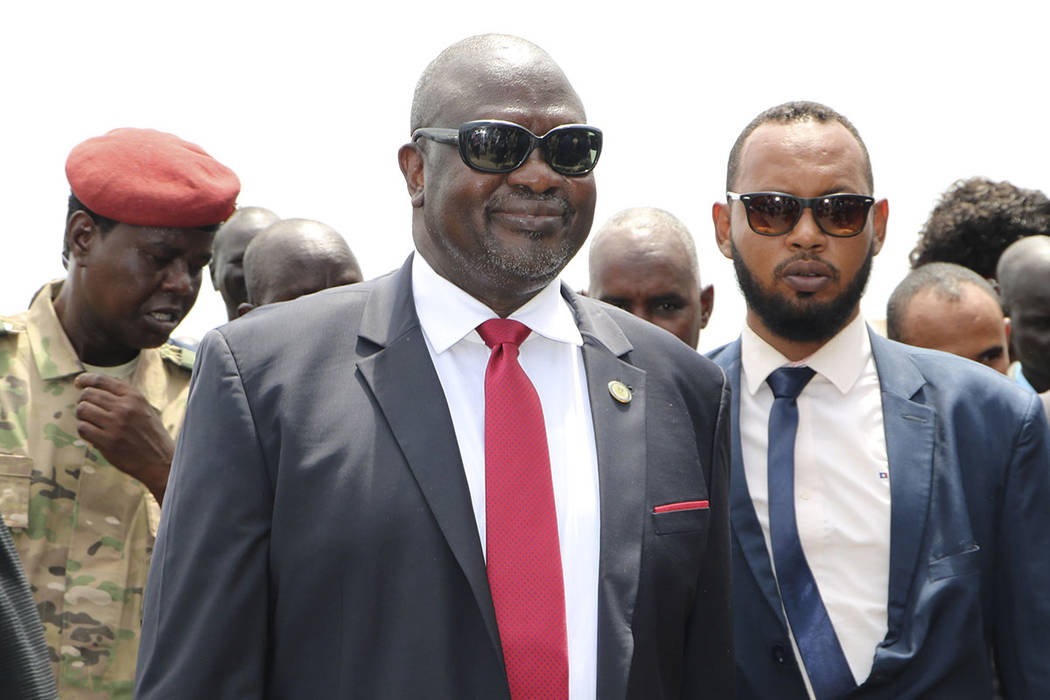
x: 1024, y: 277
x: 951, y: 308
x: 226, y: 266
x: 295, y: 257
x: 644, y: 261
x: 467, y: 74
x: 500, y: 235
x: 1023, y: 266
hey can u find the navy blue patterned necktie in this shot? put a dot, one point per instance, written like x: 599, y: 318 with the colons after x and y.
x: 825, y: 663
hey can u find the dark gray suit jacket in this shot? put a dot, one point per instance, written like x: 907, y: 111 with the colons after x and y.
x: 318, y: 541
x: 25, y: 669
x: 969, y: 456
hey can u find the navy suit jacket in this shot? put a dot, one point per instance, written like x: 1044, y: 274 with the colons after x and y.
x: 318, y: 541
x: 969, y: 456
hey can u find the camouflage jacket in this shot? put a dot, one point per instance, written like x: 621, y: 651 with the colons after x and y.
x: 83, y: 529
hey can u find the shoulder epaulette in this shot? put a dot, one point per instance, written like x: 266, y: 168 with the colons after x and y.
x: 179, y: 354
x: 185, y: 342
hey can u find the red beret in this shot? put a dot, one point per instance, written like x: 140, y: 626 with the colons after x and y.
x: 144, y: 177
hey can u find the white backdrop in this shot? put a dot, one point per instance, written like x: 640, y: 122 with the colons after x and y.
x: 308, y: 103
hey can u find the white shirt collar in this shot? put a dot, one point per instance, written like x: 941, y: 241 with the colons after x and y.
x: 448, y: 314
x: 841, y: 360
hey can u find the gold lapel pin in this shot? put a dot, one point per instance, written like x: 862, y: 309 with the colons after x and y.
x: 620, y: 391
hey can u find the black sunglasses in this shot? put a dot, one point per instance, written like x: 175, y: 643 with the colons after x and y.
x: 493, y: 146
x: 776, y: 213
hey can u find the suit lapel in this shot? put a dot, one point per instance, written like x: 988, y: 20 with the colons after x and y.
x: 405, y: 384
x: 425, y: 434
x: 910, y: 428
x: 620, y: 440
x: 746, y: 529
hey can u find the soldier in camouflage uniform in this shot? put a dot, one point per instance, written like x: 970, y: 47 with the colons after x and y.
x: 92, y: 395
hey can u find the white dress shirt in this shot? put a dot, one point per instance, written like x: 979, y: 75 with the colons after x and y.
x: 842, y: 480
x: 552, y: 358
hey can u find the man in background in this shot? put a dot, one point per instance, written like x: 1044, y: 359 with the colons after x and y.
x: 227, y: 263
x: 1024, y: 277
x: 974, y: 222
x: 295, y: 257
x: 92, y: 394
x: 644, y: 261
x: 949, y: 307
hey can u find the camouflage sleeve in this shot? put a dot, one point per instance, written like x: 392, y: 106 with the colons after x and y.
x: 205, y: 622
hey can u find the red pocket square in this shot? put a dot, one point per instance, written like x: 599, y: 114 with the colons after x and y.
x: 682, y: 505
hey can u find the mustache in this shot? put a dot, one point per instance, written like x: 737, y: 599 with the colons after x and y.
x: 833, y: 271
x: 505, y: 200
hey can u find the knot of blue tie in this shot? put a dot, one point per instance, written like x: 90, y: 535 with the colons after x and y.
x: 788, y: 382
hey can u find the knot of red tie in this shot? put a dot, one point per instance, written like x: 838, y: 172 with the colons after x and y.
x: 503, y: 331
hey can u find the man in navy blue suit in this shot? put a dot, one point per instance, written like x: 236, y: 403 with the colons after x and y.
x: 890, y: 528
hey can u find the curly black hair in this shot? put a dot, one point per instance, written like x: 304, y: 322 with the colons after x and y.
x: 976, y: 220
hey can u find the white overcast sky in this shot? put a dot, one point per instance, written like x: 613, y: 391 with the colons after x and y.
x: 308, y: 102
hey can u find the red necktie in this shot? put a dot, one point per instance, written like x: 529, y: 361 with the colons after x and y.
x: 521, y: 525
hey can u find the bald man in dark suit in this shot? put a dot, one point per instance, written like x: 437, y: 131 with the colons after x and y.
x: 337, y: 524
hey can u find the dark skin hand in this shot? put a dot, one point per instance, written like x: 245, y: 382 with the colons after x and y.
x: 126, y: 429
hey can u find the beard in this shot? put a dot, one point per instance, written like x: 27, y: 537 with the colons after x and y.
x: 519, y: 268
x: 536, y: 264
x: 797, y: 318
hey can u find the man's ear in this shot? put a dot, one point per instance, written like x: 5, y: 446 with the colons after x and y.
x: 81, y: 234
x: 410, y: 158
x: 723, y: 230
x: 707, y: 304
x: 243, y: 308
x: 882, y: 214
x: 1010, y: 341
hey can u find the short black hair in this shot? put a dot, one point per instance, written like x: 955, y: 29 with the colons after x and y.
x: 976, y: 220
x: 945, y: 279
x: 790, y: 113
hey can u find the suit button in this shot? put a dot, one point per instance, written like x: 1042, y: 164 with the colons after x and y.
x: 779, y: 654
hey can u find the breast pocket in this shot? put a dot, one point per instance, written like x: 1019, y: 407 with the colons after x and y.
x: 685, y: 516
x: 967, y: 561
x: 15, y: 474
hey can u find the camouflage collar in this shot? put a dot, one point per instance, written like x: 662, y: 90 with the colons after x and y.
x: 55, y: 357
x: 150, y: 378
